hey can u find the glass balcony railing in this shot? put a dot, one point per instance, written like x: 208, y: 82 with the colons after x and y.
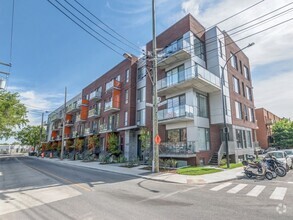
x: 177, y: 148
x: 94, y: 113
x: 113, y: 84
x: 112, y: 105
x: 173, y: 48
x: 176, y: 112
x: 187, y: 74
x: 72, y: 107
x: 95, y: 95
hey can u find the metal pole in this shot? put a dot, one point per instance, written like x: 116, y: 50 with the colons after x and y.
x: 41, y: 129
x: 155, y: 167
x: 63, y: 127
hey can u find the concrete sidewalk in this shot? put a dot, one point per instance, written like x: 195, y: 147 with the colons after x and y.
x: 138, y: 171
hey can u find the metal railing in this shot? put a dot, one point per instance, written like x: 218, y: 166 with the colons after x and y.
x: 171, y: 49
x: 112, y: 105
x: 178, y: 148
x: 95, y: 94
x: 175, y: 112
x: 94, y: 112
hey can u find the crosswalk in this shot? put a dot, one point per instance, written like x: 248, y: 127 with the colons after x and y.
x: 278, y: 193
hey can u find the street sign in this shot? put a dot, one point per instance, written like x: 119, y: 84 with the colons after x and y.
x: 157, y: 139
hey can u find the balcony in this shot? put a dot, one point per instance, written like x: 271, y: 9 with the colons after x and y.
x: 196, y: 77
x: 69, y: 123
x: 113, y: 84
x: 176, y: 114
x: 55, y: 117
x: 95, y: 95
x: 270, y: 122
x: 112, y: 106
x: 79, y: 118
x: 68, y: 136
x: 105, y: 128
x: 172, y: 54
x: 93, y: 113
x: 55, y: 128
x: 184, y: 149
x: 73, y: 108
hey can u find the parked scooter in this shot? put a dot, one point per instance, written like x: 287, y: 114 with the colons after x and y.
x: 257, y: 169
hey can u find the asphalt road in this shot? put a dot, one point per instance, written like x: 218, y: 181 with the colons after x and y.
x: 34, y: 189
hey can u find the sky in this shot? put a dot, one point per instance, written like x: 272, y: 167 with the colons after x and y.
x: 50, y: 52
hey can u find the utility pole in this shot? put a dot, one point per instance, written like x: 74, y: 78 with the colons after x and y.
x: 155, y: 167
x: 41, y: 129
x: 63, y: 125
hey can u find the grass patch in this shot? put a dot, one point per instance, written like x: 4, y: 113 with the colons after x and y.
x: 232, y: 165
x: 197, y: 170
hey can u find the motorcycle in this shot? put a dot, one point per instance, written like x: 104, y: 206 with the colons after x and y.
x: 257, y: 169
x: 275, y: 166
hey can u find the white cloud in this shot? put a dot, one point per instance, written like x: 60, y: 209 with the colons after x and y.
x: 276, y: 94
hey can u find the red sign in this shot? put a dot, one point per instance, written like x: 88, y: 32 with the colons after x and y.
x: 157, y: 139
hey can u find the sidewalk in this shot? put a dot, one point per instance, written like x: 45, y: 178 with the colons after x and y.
x: 223, y: 176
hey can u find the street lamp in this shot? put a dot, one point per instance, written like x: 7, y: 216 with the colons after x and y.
x: 224, y: 105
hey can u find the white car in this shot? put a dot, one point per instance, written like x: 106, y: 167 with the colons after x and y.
x: 282, y: 157
x: 289, y: 153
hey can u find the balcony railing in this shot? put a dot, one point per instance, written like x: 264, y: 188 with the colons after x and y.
x: 177, y: 148
x: 112, y: 105
x: 78, y: 118
x: 173, y: 48
x: 188, y: 74
x: 55, y: 117
x: 113, y: 84
x: 176, y: 112
x: 69, y: 123
x: 72, y: 108
x: 96, y: 95
x: 94, y: 113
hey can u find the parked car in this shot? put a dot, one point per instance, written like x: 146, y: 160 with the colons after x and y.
x: 289, y: 153
x: 269, y: 149
x: 281, y: 156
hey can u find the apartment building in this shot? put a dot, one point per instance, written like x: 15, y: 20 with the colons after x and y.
x: 265, y: 120
x: 191, y: 60
x: 189, y: 84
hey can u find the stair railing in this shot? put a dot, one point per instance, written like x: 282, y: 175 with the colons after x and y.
x: 221, y: 152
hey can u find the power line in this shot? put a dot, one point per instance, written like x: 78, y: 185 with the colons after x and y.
x: 85, y: 29
x: 130, y: 44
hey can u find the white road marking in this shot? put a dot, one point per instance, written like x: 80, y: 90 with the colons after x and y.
x: 256, y: 191
x: 237, y: 188
x: 221, y: 186
x: 279, y: 193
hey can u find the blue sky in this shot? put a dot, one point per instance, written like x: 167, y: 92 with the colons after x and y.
x: 51, y: 52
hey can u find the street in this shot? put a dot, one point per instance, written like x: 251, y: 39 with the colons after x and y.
x: 34, y: 189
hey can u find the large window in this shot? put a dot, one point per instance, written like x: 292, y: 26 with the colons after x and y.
x: 202, y: 104
x: 141, y: 94
x: 245, y: 112
x: 199, y: 48
x: 236, y: 85
x: 140, y: 119
x: 251, y: 115
x: 125, y: 118
x: 176, y: 101
x: 203, y: 139
x: 239, y: 138
x: 243, y: 138
x: 177, y: 135
x: 127, y: 75
x: 141, y: 73
x: 175, y: 75
x: 234, y: 63
x: 238, y: 110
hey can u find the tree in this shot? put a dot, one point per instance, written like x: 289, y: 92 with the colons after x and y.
x: 145, y: 138
x: 113, y: 144
x: 12, y: 114
x: 93, y: 142
x: 283, y: 133
x: 30, y: 135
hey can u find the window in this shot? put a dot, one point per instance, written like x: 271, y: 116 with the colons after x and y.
x: 140, y: 119
x: 243, y: 89
x: 251, y: 115
x: 249, y: 93
x: 117, y: 120
x: 234, y: 61
x: 204, y: 139
x: 126, y: 96
x: 245, y: 112
x: 202, y: 104
x: 127, y: 75
x: 141, y: 73
x: 117, y: 78
x: 239, y: 138
x: 175, y: 75
x: 221, y: 49
x: 177, y: 135
x: 248, y: 139
x: 238, y: 110
x: 125, y: 118
x: 199, y: 49
x: 236, y: 85
x: 240, y: 66
x: 141, y: 94
x: 246, y: 72
x: 176, y: 101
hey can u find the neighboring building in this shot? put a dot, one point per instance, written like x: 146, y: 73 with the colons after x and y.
x: 265, y: 121
x: 189, y: 86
